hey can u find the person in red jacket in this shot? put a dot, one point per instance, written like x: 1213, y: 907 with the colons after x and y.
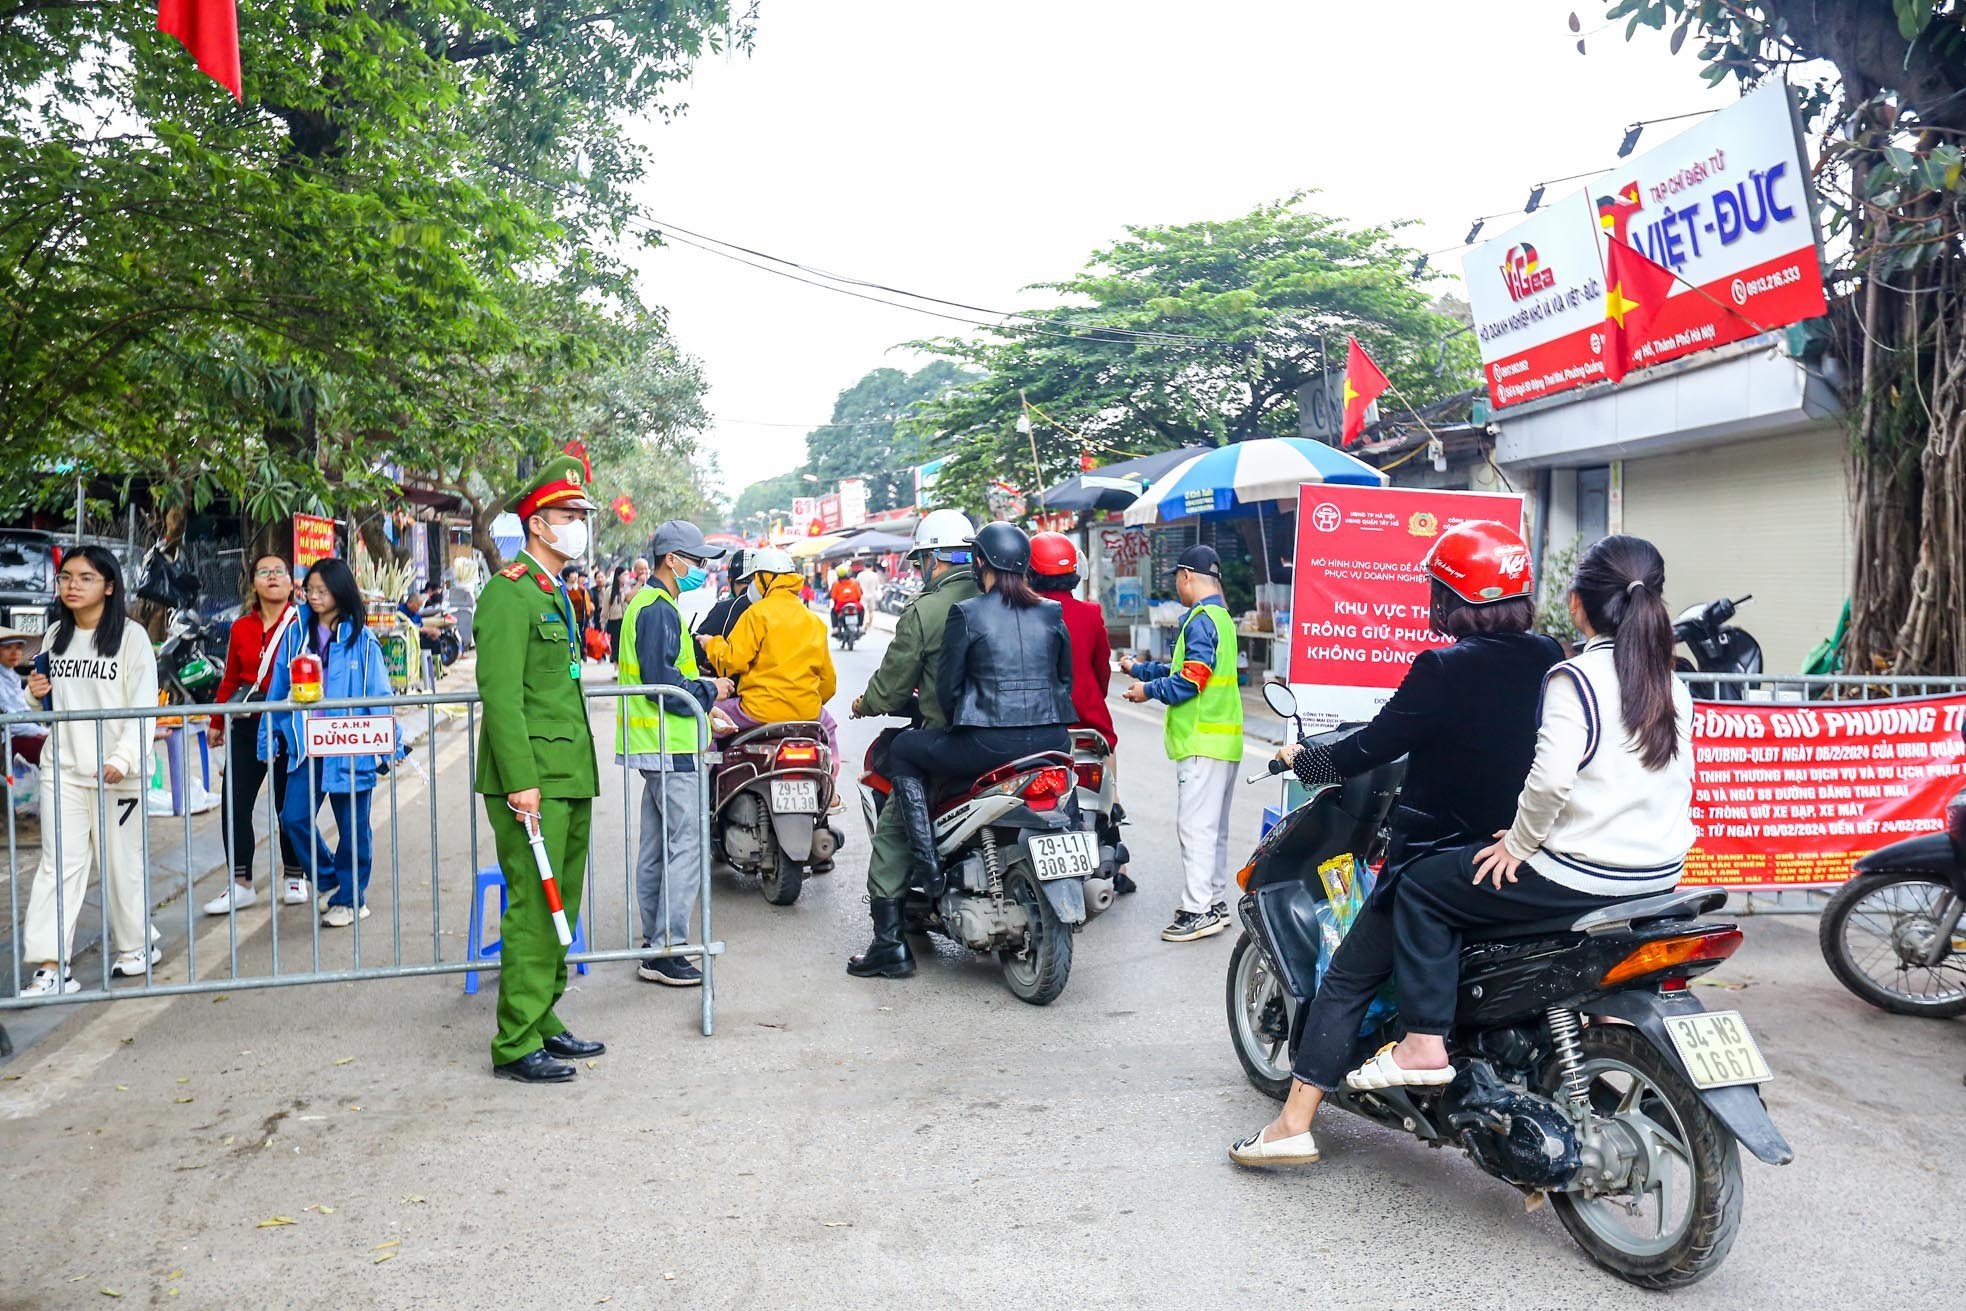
x: 248, y: 668
x: 1054, y: 573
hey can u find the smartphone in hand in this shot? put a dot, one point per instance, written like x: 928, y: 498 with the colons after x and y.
x: 42, y: 668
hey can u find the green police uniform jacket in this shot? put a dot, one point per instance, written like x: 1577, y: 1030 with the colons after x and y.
x: 914, y: 657
x: 535, y: 732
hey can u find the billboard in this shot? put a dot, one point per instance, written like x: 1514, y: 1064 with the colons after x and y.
x: 313, y: 539
x: 1726, y: 205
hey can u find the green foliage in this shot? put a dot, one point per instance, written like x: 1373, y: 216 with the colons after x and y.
x: 760, y: 500
x: 1198, y: 333
x: 1553, y: 593
x: 876, y: 432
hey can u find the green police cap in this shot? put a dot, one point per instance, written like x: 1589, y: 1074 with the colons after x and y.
x: 561, y: 482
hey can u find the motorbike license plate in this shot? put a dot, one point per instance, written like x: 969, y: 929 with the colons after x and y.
x: 1718, y: 1050
x: 29, y: 621
x: 794, y: 794
x: 1064, y: 855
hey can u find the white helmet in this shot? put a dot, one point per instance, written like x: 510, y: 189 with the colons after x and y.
x: 769, y: 560
x: 943, y: 531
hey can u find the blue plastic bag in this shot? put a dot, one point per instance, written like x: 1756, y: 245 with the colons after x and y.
x: 1348, y: 881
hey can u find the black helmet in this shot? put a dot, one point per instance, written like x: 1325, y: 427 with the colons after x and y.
x: 1004, y: 547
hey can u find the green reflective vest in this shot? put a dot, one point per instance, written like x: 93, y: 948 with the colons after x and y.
x: 1209, y: 724
x: 642, y: 727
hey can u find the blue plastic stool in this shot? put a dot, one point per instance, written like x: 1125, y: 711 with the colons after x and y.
x: 475, y: 946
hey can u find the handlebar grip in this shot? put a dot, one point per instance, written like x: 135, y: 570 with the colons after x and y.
x: 1277, y: 766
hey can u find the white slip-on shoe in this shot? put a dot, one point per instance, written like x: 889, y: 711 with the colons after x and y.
x: 237, y: 896
x: 1253, y: 1151
x: 1382, y: 1072
x: 129, y: 964
x: 294, y: 893
x: 43, y: 984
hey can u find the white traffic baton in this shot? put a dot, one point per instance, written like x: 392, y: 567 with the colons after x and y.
x: 553, y: 902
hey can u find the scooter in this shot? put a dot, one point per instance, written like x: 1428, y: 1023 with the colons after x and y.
x: 1099, y: 805
x: 848, y: 620
x: 1716, y: 648
x: 1586, y: 1072
x: 1020, y: 874
x: 191, y: 662
x: 770, y: 793
x: 1893, y: 934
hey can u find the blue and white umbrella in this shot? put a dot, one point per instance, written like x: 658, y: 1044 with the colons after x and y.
x: 1247, y: 474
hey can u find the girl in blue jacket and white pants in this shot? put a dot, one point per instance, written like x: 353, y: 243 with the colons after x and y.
x: 352, y: 665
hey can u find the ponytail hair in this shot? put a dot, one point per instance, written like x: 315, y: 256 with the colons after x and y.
x: 1013, y: 589
x: 1621, y: 583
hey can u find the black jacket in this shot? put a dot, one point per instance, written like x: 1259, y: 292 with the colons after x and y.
x: 1465, y: 719
x: 1006, y: 668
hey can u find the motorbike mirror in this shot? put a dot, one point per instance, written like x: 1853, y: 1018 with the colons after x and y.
x: 1281, y: 700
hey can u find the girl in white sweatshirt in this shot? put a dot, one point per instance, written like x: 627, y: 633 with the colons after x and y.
x: 1605, y: 814
x: 97, y: 659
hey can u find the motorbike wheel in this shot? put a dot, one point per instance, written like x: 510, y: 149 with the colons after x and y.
x: 448, y: 650
x: 1038, y: 974
x: 1259, y: 1023
x: 1873, y: 930
x: 1685, y: 1155
x: 782, y: 881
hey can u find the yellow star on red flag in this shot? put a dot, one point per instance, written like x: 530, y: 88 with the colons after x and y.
x: 1638, y: 290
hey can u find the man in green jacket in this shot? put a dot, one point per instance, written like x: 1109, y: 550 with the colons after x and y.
x: 905, y: 685
x: 536, y: 757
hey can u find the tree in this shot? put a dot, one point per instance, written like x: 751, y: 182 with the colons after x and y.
x: 1195, y: 334
x: 761, y: 499
x: 876, y: 432
x: 1893, y: 202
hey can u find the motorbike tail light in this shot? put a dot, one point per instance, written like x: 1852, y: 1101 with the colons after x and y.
x: 1092, y: 776
x: 1042, y: 790
x: 798, y: 753
x: 1708, y: 947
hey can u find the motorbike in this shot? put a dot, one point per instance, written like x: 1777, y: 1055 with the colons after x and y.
x: 1100, y: 812
x: 771, y: 790
x: 897, y: 594
x: 1020, y: 875
x: 191, y: 662
x: 848, y: 621
x: 1892, y: 934
x: 1717, y: 648
x: 1587, y: 1074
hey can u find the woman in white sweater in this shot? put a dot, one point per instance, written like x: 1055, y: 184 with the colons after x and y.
x: 97, y: 659
x: 1605, y: 814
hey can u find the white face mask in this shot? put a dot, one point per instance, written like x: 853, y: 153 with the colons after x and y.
x: 756, y: 592
x: 569, y: 539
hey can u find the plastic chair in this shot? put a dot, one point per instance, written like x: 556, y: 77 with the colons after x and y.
x: 475, y: 946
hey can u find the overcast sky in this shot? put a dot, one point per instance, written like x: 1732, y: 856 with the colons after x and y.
x: 968, y: 150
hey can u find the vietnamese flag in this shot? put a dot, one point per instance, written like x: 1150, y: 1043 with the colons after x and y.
x: 578, y: 450
x: 209, y: 29
x: 624, y: 509
x: 1364, y: 384
x: 1636, y: 291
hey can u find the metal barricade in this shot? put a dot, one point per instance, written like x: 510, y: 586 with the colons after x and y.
x: 143, y: 865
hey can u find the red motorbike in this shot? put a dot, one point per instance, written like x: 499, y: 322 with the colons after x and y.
x: 771, y: 791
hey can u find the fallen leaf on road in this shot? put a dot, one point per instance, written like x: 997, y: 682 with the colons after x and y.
x: 668, y: 1274
x: 394, y: 1242
x: 762, y: 1024
x: 185, y: 1080
x: 354, y: 1108
x: 109, y: 1292
x: 172, y: 1293
x: 13, y: 1078
x: 324, y: 1210
x: 413, y: 1199
x: 199, y: 1166
x: 386, y: 1256
x: 346, y: 1060
x: 274, y: 1222
x: 593, y: 1065
x: 229, y: 1139
x: 837, y: 1224
x: 175, y: 1274
x: 182, y: 1100
x: 220, y: 998
x: 122, y: 1087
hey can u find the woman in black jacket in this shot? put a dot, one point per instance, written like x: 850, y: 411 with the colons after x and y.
x: 1005, y: 681
x: 1465, y: 719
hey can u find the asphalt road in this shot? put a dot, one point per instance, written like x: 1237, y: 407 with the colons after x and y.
x: 842, y: 1143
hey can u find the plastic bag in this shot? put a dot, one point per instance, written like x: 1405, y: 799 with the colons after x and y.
x: 1348, y: 881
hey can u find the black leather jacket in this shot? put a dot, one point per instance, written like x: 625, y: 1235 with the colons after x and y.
x: 1004, y: 667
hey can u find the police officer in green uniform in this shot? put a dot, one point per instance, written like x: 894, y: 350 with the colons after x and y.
x: 905, y: 685
x: 536, y: 756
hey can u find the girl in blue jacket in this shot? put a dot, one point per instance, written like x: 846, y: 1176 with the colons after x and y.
x: 333, y: 630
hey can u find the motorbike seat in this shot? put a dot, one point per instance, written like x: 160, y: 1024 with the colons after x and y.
x: 785, y: 728
x: 1680, y: 903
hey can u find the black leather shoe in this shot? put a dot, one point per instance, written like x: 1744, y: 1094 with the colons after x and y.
x: 888, y: 956
x: 535, y: 1067
x: 1123, y: 885
x: 569, y: 1048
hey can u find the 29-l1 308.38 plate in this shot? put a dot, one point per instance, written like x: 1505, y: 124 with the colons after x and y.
x: 1063, y: 855
x: 1718, y: 1050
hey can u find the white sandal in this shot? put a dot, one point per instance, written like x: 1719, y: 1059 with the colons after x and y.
x: 1253, y: 1151
x: 1383, y: 1072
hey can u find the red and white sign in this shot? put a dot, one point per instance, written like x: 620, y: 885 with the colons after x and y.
x: 1788, y: 795
x: 313, y: 539
x: 348, y: 735
x: 1725, y: 205
x: 1360, y: 603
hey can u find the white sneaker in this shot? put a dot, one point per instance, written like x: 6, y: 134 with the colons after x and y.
x: 295, y: 892
x: 129, y: 964
x: 340, y: 917
x: 237, y: 896
x: 43, y: 984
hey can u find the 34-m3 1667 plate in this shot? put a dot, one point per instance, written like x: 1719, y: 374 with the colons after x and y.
x: 1718, y: 1050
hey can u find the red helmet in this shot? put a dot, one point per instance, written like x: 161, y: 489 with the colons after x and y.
x: 1481, y: 562
x: 1053, y: 555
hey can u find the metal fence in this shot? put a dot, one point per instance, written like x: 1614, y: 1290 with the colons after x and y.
x: 425, y: 858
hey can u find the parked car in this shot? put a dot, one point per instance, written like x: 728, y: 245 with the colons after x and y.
x: 28, y: 559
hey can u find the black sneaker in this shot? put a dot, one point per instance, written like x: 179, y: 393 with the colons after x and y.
x: 671, y: 970
x: 1188, y: 926
x: 1123, y: 885
x: 1221, y: 912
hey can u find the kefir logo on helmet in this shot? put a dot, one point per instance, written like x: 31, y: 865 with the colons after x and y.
x: 1523, y: 275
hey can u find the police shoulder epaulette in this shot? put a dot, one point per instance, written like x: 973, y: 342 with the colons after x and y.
x: 514, y: 571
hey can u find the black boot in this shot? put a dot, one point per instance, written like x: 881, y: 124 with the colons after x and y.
x: 888, y: 956
x: 913, y: 795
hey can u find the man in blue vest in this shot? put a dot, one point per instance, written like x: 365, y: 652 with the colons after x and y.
x: 1203, y: 738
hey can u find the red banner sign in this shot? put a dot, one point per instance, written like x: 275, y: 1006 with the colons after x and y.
x: 313, y: 539
x: 1794, y: 794
x: 1359, y: 599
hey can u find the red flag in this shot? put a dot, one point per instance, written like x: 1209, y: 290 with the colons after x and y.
x: 578, y: 449
x: 1086, y: 463
x: 1637, y: 289
x: 1364, y: 384
x: 624, y: 509
x: 209, y: 29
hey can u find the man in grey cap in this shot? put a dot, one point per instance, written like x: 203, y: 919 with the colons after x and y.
x: 663, y: 742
